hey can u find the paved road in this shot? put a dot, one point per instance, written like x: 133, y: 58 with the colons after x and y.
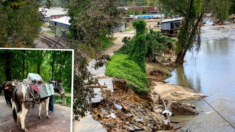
x: 88, y: 124
x: 59, y: 120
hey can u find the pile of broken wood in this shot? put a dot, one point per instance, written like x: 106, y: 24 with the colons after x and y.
x: 120, y: 112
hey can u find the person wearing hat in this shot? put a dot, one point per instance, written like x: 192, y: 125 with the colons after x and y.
x: 51, y: 101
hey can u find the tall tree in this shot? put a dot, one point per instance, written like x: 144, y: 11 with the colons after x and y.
x: 221, y: 9
x: 91, y: 19
x: 192, y: 11
x: 20, y: 22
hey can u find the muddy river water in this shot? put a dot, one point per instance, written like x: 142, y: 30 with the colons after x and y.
x: 210, y: 72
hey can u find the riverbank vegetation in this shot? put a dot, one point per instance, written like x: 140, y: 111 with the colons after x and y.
x: 129, y: 62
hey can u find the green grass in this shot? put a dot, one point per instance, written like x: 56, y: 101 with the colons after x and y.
x: 130, y: 29
x: 67, y: 90
x: 122, y: 67
x: 52, y: 32
x: 106, y: 41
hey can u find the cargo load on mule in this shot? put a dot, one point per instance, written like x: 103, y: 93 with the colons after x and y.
x: 37, y: 87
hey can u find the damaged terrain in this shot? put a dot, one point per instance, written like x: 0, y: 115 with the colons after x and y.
x: 125, y: 110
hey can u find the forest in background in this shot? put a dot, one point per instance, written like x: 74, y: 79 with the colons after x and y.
x: 16, y: 64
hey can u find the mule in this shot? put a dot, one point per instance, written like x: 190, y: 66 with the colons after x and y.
x: 8, y: 88
x: 21, y: 103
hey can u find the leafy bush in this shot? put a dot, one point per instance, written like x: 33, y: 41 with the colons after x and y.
x: 129, y: 61
x: 129, y: 12
x: 137, y: 12
x: 139, y: 25
x: 121, y: 66
x: 106, y: 42
x: 144, y: 11
x: 138, y: 51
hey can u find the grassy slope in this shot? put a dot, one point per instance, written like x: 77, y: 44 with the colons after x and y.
x: 106, y: 41
x: 121, y: 67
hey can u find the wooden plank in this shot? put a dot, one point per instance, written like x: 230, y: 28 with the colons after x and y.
x: 66, y: 94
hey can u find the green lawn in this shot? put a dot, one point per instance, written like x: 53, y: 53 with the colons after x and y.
x: 52, y: 32
x: 122, y: 67
x: 106, y: 41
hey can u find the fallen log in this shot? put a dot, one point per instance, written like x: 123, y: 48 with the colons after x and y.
x: 177, y: 128
x: 125, y: 108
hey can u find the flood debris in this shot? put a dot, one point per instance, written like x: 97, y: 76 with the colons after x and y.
x: 183, y: 108
x: 124, y: 110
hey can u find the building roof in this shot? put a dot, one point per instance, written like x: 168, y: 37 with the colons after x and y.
x: 172, y: 20
x: 64, y: 20
x: 57, y: 11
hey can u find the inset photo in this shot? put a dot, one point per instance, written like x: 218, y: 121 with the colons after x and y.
x: 35, y: 90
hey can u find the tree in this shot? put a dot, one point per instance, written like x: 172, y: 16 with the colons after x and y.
x: 133, y: 3
x: 221, y: 8
x: 90, y: 20
x: 192, y: 11
x: 144, y: 11
x: 232, y: 8
x: 130, y: 12
x: 137, y: 12
x: 20, y: 22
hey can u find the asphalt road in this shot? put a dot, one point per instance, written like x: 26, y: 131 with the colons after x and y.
x: 59, y: 121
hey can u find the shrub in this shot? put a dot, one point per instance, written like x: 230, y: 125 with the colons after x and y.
x: 121, y: 66
x: 144, y: 11
x: 137, y: 12
x: 139, y: 25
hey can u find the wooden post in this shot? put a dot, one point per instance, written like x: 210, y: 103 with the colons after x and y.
x: 64, y: 100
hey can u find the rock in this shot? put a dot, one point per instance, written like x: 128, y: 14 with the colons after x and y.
x: 182, y: 109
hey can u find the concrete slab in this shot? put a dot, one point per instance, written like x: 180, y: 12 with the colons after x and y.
x: 88, y: 124
x: 59, y: 120
x: 106, y: 81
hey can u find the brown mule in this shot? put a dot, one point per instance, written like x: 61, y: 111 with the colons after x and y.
x: 8, y: 88
x: 21, y: 103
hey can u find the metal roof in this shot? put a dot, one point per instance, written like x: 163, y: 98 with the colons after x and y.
x: 172, y: 20
x: 64, y: 20
x: 50, y: 12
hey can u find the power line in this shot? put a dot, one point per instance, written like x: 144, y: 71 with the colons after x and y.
x: 208, y: 103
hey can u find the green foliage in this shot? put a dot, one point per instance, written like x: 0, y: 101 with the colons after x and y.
x: 121, y: 66
x: 126, y: 47
x: 20, y: 22
x: 138, y: 51
x: 90, y: 20
x: 192, y: 11
x: 106, y: 42
x: 221, y: 8
x: 122, y: 11
x: 55, y: 64
x: 144, y: 11
x: 139, y: 25
x: 232, y: 8
x: 137, y: 12
x: 129, y: 12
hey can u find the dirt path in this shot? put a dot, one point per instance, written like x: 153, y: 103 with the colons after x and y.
x: 118, y: 42
x: 59, y: 120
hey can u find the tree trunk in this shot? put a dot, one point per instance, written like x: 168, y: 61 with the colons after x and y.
x: 23, y: 63
x: 180, y: 57
x: 8, y: 66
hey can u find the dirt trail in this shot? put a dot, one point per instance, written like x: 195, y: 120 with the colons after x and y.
x: 118, y: 42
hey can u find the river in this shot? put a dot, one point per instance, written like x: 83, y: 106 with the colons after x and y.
x: 211, y: 72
